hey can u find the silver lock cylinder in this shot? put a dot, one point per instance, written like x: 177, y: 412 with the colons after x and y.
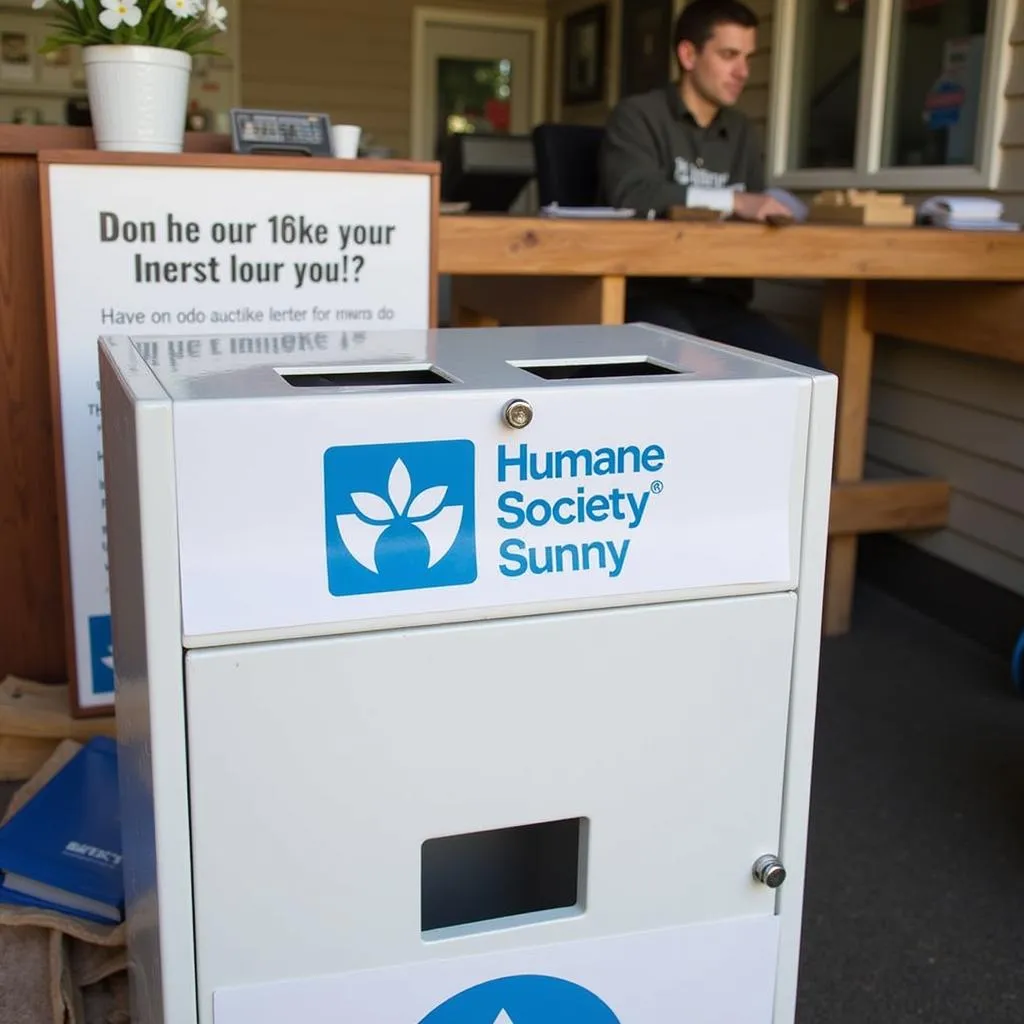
x: 518, y: 413
x: 768, y: 870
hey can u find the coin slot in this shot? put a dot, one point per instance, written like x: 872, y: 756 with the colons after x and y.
x: 589, y: 369
x: 364, y: 377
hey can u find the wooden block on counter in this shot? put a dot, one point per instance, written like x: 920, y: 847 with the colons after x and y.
x: 869, y: 215
x: 861, y: 206
x: 857, y: 197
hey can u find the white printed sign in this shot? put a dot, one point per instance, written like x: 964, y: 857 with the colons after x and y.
x: 337, y: 509
x: 701, y: 974
x: 147, y: 250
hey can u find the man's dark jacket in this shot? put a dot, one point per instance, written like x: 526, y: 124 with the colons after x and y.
x: 655, y: 155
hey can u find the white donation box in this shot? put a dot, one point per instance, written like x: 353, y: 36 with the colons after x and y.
x: 464, y: 676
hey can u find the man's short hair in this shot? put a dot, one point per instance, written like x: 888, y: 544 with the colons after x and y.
x: 698, y: 20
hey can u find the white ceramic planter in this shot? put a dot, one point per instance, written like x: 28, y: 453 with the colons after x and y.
x: 138, y: 97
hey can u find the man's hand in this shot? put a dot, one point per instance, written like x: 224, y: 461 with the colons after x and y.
x: 755, y: 206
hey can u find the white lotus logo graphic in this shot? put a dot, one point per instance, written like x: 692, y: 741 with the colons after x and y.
x: 374, y: 513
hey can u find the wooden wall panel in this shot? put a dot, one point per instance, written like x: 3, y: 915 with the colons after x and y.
x: 31, y: 598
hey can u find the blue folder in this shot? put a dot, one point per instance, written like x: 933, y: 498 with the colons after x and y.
x: 62, y: 850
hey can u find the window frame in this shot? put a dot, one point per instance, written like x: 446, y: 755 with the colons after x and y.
x: 868, y: 171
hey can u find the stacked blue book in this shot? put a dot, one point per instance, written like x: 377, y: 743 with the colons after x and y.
x: 62, y: 850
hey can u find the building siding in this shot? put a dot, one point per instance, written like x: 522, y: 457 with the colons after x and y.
x: 1012, y: 176
x: 349, y: 59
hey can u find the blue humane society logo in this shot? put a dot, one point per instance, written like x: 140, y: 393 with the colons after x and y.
x: 399, y: 516
x: 523, y: 999
x: 101, y: 654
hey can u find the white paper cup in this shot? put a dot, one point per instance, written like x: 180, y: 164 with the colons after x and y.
x: 345, y: 138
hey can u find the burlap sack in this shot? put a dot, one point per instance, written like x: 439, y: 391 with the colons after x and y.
x: 56, y: 968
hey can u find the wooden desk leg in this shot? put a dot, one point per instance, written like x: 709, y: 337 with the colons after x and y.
x: 847, y: 348
x: 613, y: 300
x: 462, y: 316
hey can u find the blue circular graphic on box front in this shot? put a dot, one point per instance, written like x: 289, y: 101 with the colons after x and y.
x: 523, y: 999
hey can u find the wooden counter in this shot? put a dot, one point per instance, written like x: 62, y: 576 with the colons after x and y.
x: 530, y: 247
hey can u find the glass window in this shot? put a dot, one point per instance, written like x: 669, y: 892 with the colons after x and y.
x: 473, y: 95
x: 826, y: 77
x: 937, y: 61
x: 928, y: 104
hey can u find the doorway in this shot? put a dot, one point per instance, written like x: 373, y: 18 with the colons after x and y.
x: 473, y: 72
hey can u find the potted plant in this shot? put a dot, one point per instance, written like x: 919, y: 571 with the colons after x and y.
x: 137, y: 56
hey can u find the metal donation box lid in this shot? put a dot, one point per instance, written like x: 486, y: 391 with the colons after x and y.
x: 332, y: 482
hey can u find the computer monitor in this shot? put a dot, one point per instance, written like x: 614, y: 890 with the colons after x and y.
x: 487, y: 171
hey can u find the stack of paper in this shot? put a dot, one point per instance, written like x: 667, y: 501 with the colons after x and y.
x: 965, y: 213
x: 587, y: 212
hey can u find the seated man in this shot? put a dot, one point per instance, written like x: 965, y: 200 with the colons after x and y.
x: 685, y: 145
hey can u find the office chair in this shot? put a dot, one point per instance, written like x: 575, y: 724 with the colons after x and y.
x: 567, y: 160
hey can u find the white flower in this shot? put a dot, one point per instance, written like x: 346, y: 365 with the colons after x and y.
x: 37, y: 4
x: 216, y: 15
x: 374, y: 513
x: 184, y: 8
x: 118, y: 11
